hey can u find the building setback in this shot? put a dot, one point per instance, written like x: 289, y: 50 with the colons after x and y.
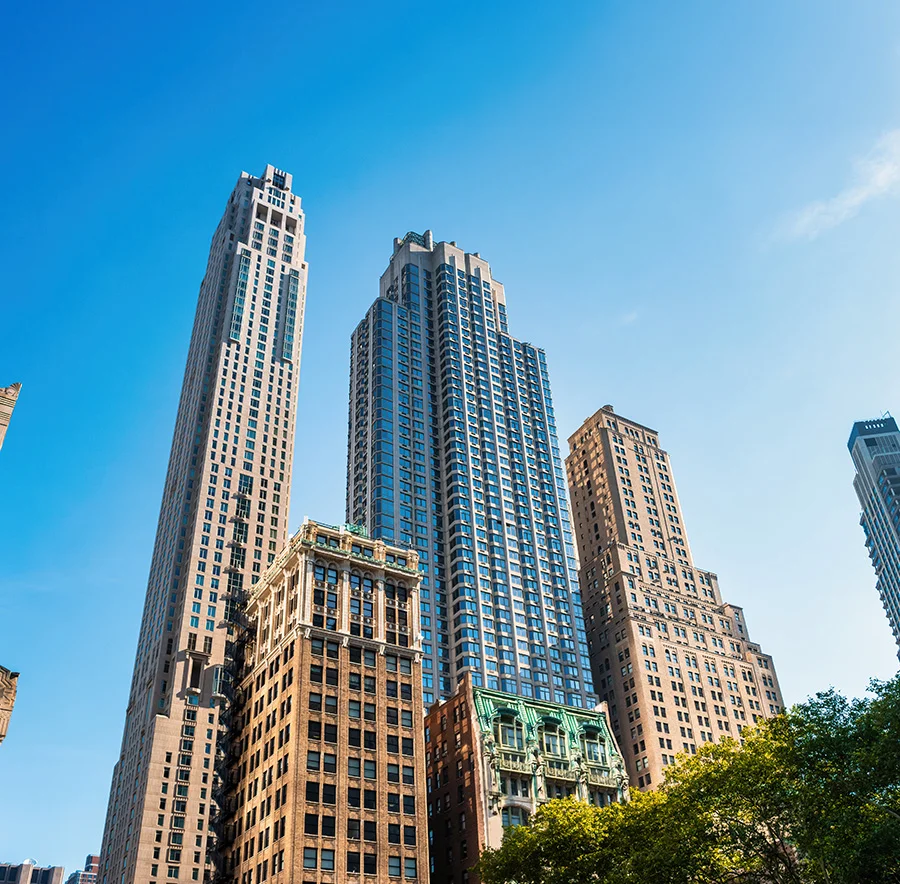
x: 453, y: 450
x: 875, y: 448
x: 493, y: 758
x: 326, y: 761
x: 673, y: 661
x: 222, y: 520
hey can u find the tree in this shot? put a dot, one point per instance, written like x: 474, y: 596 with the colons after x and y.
x: 810, y: 797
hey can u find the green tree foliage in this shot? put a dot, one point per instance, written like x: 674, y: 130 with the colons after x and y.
x: 810, y: 797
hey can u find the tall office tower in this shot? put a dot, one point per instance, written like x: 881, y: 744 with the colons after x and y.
x: 327, y: 768
x: 223, y: 518
x: 673, y: 661
x: 8, y: 397
x: 875, y: 448
x: 453, y: 450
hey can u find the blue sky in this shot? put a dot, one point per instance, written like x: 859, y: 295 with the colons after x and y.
x: 693, y: 208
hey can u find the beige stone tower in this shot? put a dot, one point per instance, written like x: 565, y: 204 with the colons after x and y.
x: 8, y: 397
x: 326, y: 758
x: 8, y: 682
x: 672, y: 660
x: 222, y: 520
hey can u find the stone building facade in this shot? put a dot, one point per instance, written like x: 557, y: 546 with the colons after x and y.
x: 8, y: 683
x: 222, y: 520
x: 493, y: 758
x: 87, y: 875
x: 325, y: 763
x: 8, y: 397
x: 674, y: 663
x: 29, y: 872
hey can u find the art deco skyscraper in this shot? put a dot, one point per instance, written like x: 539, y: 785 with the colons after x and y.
x: 453, y: 451
x: 673, y: 661
x: 223, y: 517
x: 875, y: 448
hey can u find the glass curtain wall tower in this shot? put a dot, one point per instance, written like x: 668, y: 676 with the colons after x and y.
x: 223, y: 518
x: 875, y: 448
x: 453, y: 450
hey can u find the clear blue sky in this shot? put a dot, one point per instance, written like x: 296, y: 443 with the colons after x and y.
x: 693, y: 208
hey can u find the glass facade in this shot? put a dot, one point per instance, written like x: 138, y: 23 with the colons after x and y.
x: 453, y: 450
x: 875, y: 448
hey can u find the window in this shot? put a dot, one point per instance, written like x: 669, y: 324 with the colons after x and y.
x: 509, y: 732
x: 554, y: 740
x: 327, y: 860
x: 394, y: 866
x: 514, y: 816
x: 409, y: 868
x: 311, y: 826
x: 310, y: 858
x: 353, y: 861
x: 393, y: 833
x: 353, y: 830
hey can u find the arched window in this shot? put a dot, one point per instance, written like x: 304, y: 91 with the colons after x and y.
x: 368, y: 585
x: 509, y: 732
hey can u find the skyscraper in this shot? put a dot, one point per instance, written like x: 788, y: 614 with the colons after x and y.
x: 223, y: 518
x: 453, y: 451
x: 875, y: 448
x: 673, y: 661
x: 8, y: 397
x: 327, y: 773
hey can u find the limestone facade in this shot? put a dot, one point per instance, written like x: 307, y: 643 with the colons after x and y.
x: 674, y: 663
x: 325, y: 763
x: 8, y: 397
x: 8, y: 683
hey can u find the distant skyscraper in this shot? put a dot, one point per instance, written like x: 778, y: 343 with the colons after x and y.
x: 453, y: 450
x: 673, y: 661
x: 8, y: 397
x: 875, y: 448
x: 223, y: 518
x: 87, y: 875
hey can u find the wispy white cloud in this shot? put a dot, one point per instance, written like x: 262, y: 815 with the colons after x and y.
x: 628, y: 318
x: 876, y: 175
